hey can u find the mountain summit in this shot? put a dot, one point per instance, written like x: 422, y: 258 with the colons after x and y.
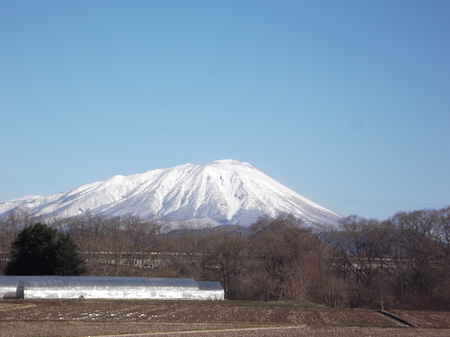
x: 223, y: 192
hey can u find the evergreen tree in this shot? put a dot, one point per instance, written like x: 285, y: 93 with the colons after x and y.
x: 41, y: 250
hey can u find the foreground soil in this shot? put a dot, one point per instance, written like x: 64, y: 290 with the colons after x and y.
x: 70, y: 318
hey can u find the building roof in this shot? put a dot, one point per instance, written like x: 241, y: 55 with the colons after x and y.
x: 109, y: 287
x: 105, y: 281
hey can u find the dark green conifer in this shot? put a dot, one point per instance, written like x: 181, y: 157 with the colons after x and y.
x: 41, y: 250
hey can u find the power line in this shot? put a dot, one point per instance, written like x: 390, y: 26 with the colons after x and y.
x: 317, y: 200
x: 37, y: 181
x: 377, y: 203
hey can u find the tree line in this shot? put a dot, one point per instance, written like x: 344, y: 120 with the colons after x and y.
x: 402, y: 262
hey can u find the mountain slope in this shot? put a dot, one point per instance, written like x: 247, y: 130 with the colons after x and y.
x: 224, y: 191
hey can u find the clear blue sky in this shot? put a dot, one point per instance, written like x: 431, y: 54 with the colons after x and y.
x: 345, y: 102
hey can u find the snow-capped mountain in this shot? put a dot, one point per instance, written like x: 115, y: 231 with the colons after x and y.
x: 223, y: 192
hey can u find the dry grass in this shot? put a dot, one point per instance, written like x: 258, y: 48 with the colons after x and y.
x: 70, y: 318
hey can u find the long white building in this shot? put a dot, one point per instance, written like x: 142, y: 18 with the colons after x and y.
x: 99, y: 287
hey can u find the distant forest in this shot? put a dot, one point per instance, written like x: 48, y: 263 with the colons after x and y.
x: 402, y: 262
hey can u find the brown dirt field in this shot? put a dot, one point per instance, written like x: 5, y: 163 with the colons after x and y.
x: 425, y: 319
x: 70, y: 318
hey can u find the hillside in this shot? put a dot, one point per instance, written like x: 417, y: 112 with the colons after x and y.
x: 221, y: 192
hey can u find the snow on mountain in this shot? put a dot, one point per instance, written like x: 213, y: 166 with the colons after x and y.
x: 224, y: 192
